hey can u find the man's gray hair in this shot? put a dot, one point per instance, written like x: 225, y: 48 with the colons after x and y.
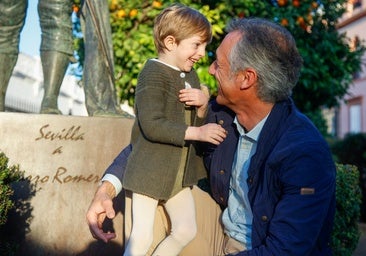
x: 271, y: 50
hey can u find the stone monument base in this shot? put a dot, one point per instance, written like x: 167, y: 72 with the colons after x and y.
x: 63, y: 158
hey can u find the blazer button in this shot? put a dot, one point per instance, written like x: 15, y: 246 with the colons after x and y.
x: 221, y: 122
x: 222, y: 172
x: 264, y: 218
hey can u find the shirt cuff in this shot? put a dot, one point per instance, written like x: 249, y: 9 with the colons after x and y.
x: 115, y: 182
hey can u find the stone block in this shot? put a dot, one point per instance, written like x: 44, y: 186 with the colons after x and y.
x: 63, y: 158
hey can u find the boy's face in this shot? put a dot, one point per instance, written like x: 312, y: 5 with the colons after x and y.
x: 188, y: 52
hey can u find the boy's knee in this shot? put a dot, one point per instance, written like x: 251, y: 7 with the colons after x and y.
x: 184, y: 233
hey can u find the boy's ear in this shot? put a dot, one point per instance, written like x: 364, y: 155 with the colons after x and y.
x: 169, y: 42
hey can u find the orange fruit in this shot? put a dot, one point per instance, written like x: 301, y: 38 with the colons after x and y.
x: 301, y: 22
x: 284, y: 22
x: 113, y: 5
x: 296, y: 3
x: 75, y: 8
x: 156, y: 4
x: 121, y: 13
x: 133, y: 13
x: 281, y: 2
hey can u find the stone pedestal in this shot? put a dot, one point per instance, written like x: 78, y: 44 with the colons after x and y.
x: 63, y: 158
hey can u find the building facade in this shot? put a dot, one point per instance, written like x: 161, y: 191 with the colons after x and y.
x: 350, y: 116
x: 25, y: 90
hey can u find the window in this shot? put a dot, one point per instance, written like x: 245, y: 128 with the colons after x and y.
x: 355, y: 115
x: 357, y: 3
x: 353, y: 5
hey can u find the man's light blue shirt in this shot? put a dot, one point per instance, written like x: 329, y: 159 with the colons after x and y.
x: 237, y: 217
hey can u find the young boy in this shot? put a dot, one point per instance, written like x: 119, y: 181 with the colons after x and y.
x: 170, y: 112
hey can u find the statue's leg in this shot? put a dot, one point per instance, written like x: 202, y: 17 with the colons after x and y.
x: 54, y: 66
x: 56, y: 48
x: 98, y: 74
x: 7, y: 63
x: 12, y: 15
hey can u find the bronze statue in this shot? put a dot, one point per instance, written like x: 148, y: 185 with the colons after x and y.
x: 98, y: 72
x: 56, y: 45
x: 57, y: 49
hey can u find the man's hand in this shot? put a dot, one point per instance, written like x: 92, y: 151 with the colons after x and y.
x: 101, y: 207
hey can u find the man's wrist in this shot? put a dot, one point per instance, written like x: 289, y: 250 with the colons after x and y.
x: 108, y: 188
x: 114, y: 180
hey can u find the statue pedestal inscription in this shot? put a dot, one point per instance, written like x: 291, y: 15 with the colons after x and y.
x: 64, y: 158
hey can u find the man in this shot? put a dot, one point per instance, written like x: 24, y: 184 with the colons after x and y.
x: 273, y: 175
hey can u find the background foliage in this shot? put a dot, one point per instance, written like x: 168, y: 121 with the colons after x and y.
x: 329, y: 62
x: 348, y: 199
x: 352, y: 150
x: 8, y: 174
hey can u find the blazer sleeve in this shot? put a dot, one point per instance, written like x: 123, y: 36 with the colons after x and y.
x: 115, y: 172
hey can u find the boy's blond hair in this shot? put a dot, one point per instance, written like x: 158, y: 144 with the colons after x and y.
x: 181, y: 22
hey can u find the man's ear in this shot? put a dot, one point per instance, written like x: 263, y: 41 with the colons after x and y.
x: 169, y: 42
x: 246, y: 78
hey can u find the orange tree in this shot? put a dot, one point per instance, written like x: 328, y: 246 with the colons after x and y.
x: 329, y: 62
